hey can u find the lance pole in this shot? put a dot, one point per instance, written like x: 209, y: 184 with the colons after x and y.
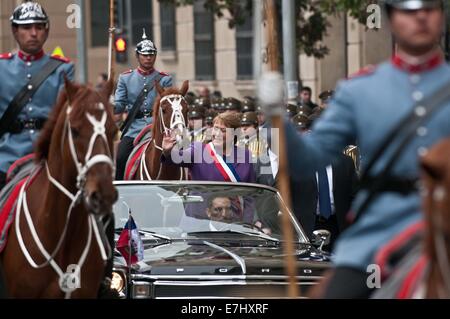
x: 283, y: 174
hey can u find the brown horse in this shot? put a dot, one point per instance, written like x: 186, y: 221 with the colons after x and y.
x: 416, y: 263
x: 436, y: 205
x: 169, y: 115
x: 56, y: 245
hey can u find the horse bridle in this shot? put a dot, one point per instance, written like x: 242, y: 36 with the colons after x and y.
x: 177, y: 119
x: 93, y: 222
x: 89, y: 162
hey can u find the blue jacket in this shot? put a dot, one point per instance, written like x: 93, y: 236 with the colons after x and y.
x: 129, y: 86
x: 15, y: 72
x: 364, y: 109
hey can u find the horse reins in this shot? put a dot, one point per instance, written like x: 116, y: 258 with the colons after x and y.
x: 90, y: 161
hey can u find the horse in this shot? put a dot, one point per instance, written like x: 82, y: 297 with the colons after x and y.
x: 169, y: 114
x: 436, y: 205
x: 57, y: 246
x: 415, y: 264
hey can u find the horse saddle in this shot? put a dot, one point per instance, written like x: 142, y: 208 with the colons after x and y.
x: 140, y: 143
x: 16, y: 176
x: 403, y: 265
x: 144, y: 135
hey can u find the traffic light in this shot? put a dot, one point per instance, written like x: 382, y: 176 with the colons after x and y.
x: 121, y: 48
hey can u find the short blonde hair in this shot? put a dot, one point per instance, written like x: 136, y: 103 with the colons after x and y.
x: 229, y: 119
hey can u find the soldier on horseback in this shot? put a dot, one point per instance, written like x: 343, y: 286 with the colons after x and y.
x: 135, y: 95
x: 31, y: 81
x: 388, y: 201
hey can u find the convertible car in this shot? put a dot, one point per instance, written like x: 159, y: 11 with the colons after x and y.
x: 208, y: 240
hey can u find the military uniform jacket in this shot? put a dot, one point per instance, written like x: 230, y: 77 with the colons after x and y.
x: 16, y: 70
x: 256, y: 146
x: 198, y: 135
x: 129, y: 87
x: 364, y: 109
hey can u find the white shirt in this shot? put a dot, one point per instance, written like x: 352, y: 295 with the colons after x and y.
x: 330, y: 185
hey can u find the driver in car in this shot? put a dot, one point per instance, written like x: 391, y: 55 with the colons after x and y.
x: 221, y: 209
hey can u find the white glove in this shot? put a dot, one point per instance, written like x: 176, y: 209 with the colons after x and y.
x: 271, y: 93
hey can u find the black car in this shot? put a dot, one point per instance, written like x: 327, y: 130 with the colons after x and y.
x: 207, y: 240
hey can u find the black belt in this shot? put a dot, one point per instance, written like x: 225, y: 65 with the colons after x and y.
x: 395, y: 184
x: 31, y: 124
x: 142, y: 114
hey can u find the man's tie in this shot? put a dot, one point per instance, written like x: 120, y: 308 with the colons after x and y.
x: 324, y: 193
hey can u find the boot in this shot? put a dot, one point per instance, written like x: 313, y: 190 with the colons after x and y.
x: 105, y: 291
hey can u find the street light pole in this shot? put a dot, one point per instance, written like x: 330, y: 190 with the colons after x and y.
x: 290, y: 57
x: 257, y: 47
x: 81, y: 45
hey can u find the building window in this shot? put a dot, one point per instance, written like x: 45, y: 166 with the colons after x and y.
x: 141, y: 17
x: 244, y: 49
x: 168, y: 32
x: 99, y: 22
x: 205, y: 69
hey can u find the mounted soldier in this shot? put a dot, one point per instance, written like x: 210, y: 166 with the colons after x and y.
x: 135, y: 95
x: 30, y: 83
x: 415, y: 86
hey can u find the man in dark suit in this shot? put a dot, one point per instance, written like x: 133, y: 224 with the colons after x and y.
x: 321, y: 200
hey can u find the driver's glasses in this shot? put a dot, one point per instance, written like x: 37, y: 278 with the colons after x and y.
x: 222, y: 209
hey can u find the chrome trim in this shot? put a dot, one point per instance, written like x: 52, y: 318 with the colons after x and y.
x: 180, y: 183
x: 297, y: 225
x: 227, y: 283
x: 217, y: 277
x: 239, y: 260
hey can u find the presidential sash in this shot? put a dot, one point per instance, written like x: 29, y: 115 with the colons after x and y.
x: 227, y: 171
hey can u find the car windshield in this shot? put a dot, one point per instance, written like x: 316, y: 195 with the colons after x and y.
x: 202, y: 210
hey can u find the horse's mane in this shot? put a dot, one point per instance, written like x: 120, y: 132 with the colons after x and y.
x: 81, y: 101
x: 156, y: 105
x: 42, y: 146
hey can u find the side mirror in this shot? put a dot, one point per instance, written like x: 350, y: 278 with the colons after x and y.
x: 321, y: 237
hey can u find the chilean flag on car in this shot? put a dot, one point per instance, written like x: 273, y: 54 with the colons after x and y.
x: 130, y: 244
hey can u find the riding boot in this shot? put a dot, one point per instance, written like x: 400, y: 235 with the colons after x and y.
x: 105, y: 291
x: 2, y: 180
x: 123, y: 152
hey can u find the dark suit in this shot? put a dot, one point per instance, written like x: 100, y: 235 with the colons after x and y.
x: 304, y: 193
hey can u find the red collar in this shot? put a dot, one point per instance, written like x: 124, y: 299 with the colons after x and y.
x: 429, y: 64
x: 32, y: 57
x: 142, y: 72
